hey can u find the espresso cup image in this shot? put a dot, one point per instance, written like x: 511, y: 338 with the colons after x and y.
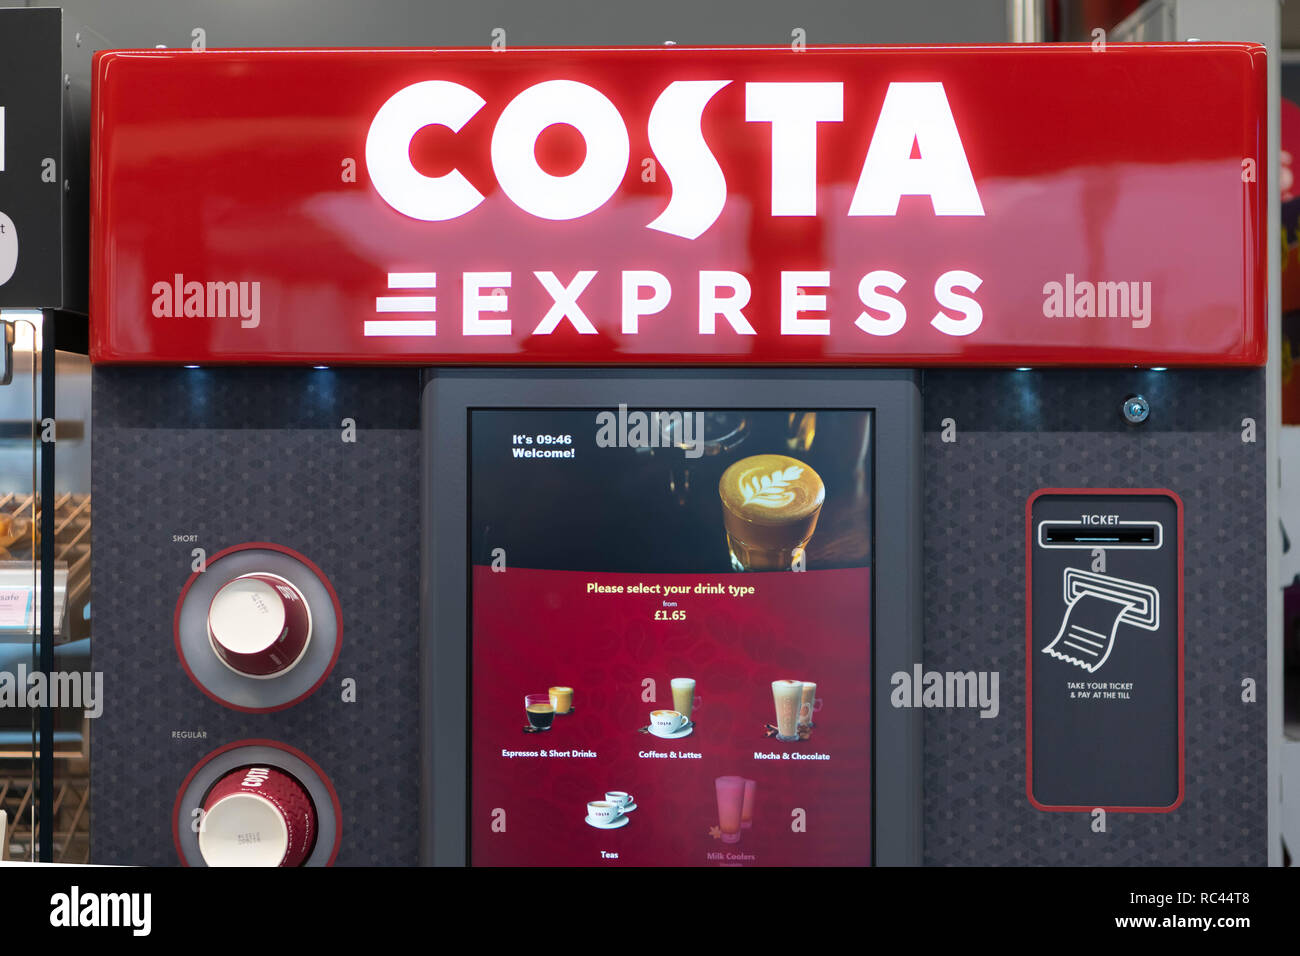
x: 620, y: 798
x: 603, y: 812
x: 561, y: 699
x: 770, y: 505
x: 667, y: 721
x: 259, y: 625
x: 787, y: 695
x: 539, y: 710
x: 257, y: 816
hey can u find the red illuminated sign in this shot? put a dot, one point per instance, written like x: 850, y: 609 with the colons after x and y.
x: 874, y: 206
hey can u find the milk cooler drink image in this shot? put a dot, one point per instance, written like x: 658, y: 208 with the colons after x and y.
x: 731, y: 800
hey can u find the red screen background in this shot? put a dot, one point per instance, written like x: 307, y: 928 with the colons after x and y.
x: 533, y: 629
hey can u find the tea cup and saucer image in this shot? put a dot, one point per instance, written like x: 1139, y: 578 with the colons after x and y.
x: 606, y: 815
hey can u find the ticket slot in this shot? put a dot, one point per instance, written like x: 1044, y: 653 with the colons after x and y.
x: 1077, y: 534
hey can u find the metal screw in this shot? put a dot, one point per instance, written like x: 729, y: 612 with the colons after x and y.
x: 1136, y: 409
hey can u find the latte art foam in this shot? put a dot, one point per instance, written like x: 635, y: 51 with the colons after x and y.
x: 771, y: 489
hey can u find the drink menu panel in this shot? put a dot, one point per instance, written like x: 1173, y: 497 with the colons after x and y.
x: 670, y: 637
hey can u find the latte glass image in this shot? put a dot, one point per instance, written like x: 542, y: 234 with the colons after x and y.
x: 787, y: 695
x: 770, y: 505
x: 684, y: 695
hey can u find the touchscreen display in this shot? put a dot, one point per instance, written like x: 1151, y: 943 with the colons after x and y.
x: 670, y: 637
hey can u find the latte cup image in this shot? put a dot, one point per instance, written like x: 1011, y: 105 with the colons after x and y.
x: 257, y: 816
x: 667, y: 721
x: 259, y: 625
x: 770, y: 505
x: 684, y: 695
x: 603, y: 812
x: 620, y: 798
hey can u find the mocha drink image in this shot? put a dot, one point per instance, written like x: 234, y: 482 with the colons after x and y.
x: 786, y: 694
x: 807, y: 704
x: 770, y: 505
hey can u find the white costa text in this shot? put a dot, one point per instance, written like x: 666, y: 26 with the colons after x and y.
x: 914, y: 117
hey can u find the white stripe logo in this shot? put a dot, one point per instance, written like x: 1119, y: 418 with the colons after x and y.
x: 389, y: 304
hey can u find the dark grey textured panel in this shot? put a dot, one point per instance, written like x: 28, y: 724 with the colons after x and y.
x: 1089, y: 400
x: 976, y: 809
x: 353, y: 509
x: 255, y: 397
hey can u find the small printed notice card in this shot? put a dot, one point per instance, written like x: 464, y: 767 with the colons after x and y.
x: 15, y: 607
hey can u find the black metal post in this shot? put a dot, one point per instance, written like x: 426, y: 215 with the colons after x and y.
x: 45, y: 814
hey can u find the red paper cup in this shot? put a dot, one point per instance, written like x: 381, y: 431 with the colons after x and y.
x: 259, y: 625
x: 257, y: 816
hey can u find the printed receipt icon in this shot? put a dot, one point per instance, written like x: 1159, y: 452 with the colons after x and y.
x: 1095, y: 606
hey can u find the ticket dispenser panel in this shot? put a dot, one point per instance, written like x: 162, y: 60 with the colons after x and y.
x: 1104, y: 652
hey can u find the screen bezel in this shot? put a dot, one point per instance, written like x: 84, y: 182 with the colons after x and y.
x: 449, y: 394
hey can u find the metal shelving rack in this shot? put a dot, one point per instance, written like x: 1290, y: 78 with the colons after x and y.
x: 72, y: 623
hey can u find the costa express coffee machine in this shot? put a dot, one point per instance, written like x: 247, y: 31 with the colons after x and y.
x: 683, y: 457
